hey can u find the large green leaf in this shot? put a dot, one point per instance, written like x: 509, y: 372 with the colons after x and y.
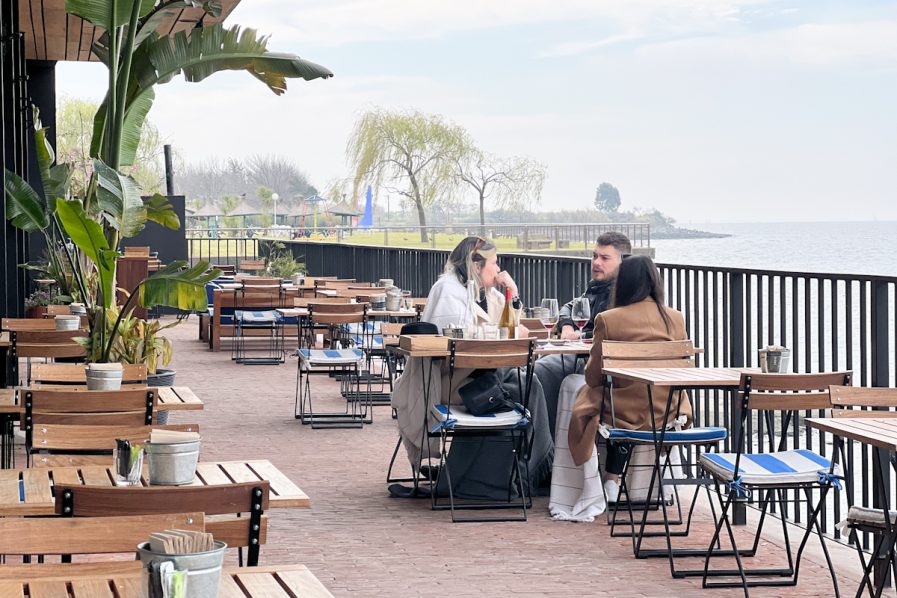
x: 119, y: 200
x: 177, y: 285
x: 88, y: 235
x: 213, y: 49
x: 160, y: 211
x: 24, y: 208
x: 100, y: 12
x: 132, y: 127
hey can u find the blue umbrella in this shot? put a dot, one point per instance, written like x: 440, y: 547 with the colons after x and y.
x: 368, y: 219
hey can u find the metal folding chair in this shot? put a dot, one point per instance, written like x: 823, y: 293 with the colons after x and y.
x: 737, y: 475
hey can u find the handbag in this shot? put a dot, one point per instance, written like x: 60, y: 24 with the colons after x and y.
x: 486, y: 394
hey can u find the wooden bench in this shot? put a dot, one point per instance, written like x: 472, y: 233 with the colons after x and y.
x: 533, y: 243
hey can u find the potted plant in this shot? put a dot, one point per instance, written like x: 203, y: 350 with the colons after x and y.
x: 112, y: 207
x: 283, y: 265
x: 36, y: 303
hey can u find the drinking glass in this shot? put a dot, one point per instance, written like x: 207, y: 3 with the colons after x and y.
x: 549, y: 313
x: 134, y: 467
x: 581, y: 312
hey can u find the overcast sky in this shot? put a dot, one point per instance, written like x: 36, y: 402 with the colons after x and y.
x: 709, y: 110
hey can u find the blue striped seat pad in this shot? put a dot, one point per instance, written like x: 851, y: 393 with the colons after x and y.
x: 464, y: 419
x: 257, y: 317
x: 330, y: 356
x: 787, y: 467
x: 369, y: 342
x: 689, y: 436
x: 226, y: 319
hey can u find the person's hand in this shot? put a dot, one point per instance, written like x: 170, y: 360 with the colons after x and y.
x: 504, y: 279
x: 568, y: 333
x: 522, y: 331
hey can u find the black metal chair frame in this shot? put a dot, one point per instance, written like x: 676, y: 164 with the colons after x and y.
x: 774, y: 577
x: 359, y: 410
x: 517, y: 437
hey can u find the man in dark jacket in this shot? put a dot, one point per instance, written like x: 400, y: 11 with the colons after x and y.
x: 609, y: 251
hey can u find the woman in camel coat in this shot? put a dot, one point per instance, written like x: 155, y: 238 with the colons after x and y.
x: 638, y: 314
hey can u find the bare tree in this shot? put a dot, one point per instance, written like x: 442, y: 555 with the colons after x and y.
x: 411, y: 154
x: 279, y: 174
x: 507, y: 182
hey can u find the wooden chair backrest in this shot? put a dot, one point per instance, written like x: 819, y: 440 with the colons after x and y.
x: 107, y: 501
x: 261, y: 281
x: 651, y: 354
x: 78, y: 401
x: 252, y: 265
x: 366, y: 289
x: 535, y: 327
x: 306, y: 301
x: 137, y: 251
x: 87, y: 535
x: 225, y: 298
x: 327, y: 281
x: 73, y: 373
x: 226, y: 268
x: 481, y: 354
x: 21, y: 324
x: 336, y: 313
x: 61, y: 437
x: 789, y: 392
x: 49, y: 343
x: 846, y: 397
x: 391, y: 329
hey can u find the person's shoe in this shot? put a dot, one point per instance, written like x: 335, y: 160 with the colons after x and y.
x: 611, y: 491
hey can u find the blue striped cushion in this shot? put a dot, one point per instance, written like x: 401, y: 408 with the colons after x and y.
x: 323, y: 357
x: 786, y: 467
x: 368, y: 342
x: 356, y: 327
x: 257, y: 317
x: 689, y: 436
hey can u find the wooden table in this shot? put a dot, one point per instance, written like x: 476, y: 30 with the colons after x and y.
x: 880, y: 433
x: 236, y: 582
x: 29, y: 491
x: 171, y: 398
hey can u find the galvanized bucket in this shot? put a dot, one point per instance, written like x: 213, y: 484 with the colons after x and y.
x: 101, y: 377
x: 775, y: 362
x: 66, y: 322
x: 172, y: 464
x: 203, y: 568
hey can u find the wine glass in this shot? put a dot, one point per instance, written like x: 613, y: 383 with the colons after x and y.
x: 549, y: 313
x: 581, y: 311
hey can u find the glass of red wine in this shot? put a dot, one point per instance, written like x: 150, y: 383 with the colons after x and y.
x: 549, y: 313
x: 581, y: 311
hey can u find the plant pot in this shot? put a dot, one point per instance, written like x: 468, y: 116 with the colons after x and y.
x: 103, y: 376
x: 162, y: 377
x: 36, y: 312
x: 172, y: 464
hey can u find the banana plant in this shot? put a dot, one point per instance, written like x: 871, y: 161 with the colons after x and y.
x: 137, y: 58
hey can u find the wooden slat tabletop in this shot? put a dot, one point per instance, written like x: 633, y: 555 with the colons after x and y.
x: 171, y: 398
x: 880, y: 432
x: 572, y: 348
x: 691, y: 377
x: 29, y: 491
x: 236, y: 582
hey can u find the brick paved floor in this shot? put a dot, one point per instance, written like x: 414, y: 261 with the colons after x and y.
x: 359, y: 541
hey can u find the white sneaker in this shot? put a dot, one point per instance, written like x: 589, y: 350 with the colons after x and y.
x: 611, y: 491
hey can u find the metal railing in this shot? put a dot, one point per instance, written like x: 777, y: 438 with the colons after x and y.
x: 829, y: 321
x: 523, y: 237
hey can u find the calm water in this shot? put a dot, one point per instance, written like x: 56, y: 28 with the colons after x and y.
x: 832, y: 247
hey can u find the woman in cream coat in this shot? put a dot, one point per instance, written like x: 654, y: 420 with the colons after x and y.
x: 467, y: 295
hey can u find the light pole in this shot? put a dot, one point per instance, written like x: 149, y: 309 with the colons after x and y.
x: 274, y: 198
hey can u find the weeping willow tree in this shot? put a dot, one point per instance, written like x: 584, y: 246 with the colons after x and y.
x: 411, y: 154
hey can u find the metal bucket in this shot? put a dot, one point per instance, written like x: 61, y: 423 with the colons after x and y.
x: 65, y: 322
x: 203, y: 568
x: 393, y: 302
x: 172, y: 464
x: 775, y: 362
x: 103, y: 379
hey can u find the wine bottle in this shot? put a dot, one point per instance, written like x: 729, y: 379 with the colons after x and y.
x: 507, y: 324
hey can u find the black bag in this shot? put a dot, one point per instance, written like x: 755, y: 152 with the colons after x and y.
x: 485, y: 394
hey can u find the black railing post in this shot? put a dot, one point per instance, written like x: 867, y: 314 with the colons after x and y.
x: 737, y: 318
x: 881, y: 377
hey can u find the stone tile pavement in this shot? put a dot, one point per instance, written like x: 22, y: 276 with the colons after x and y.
x: 361, y: 542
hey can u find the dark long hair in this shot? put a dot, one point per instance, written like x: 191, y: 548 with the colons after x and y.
x: 637, y: 279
